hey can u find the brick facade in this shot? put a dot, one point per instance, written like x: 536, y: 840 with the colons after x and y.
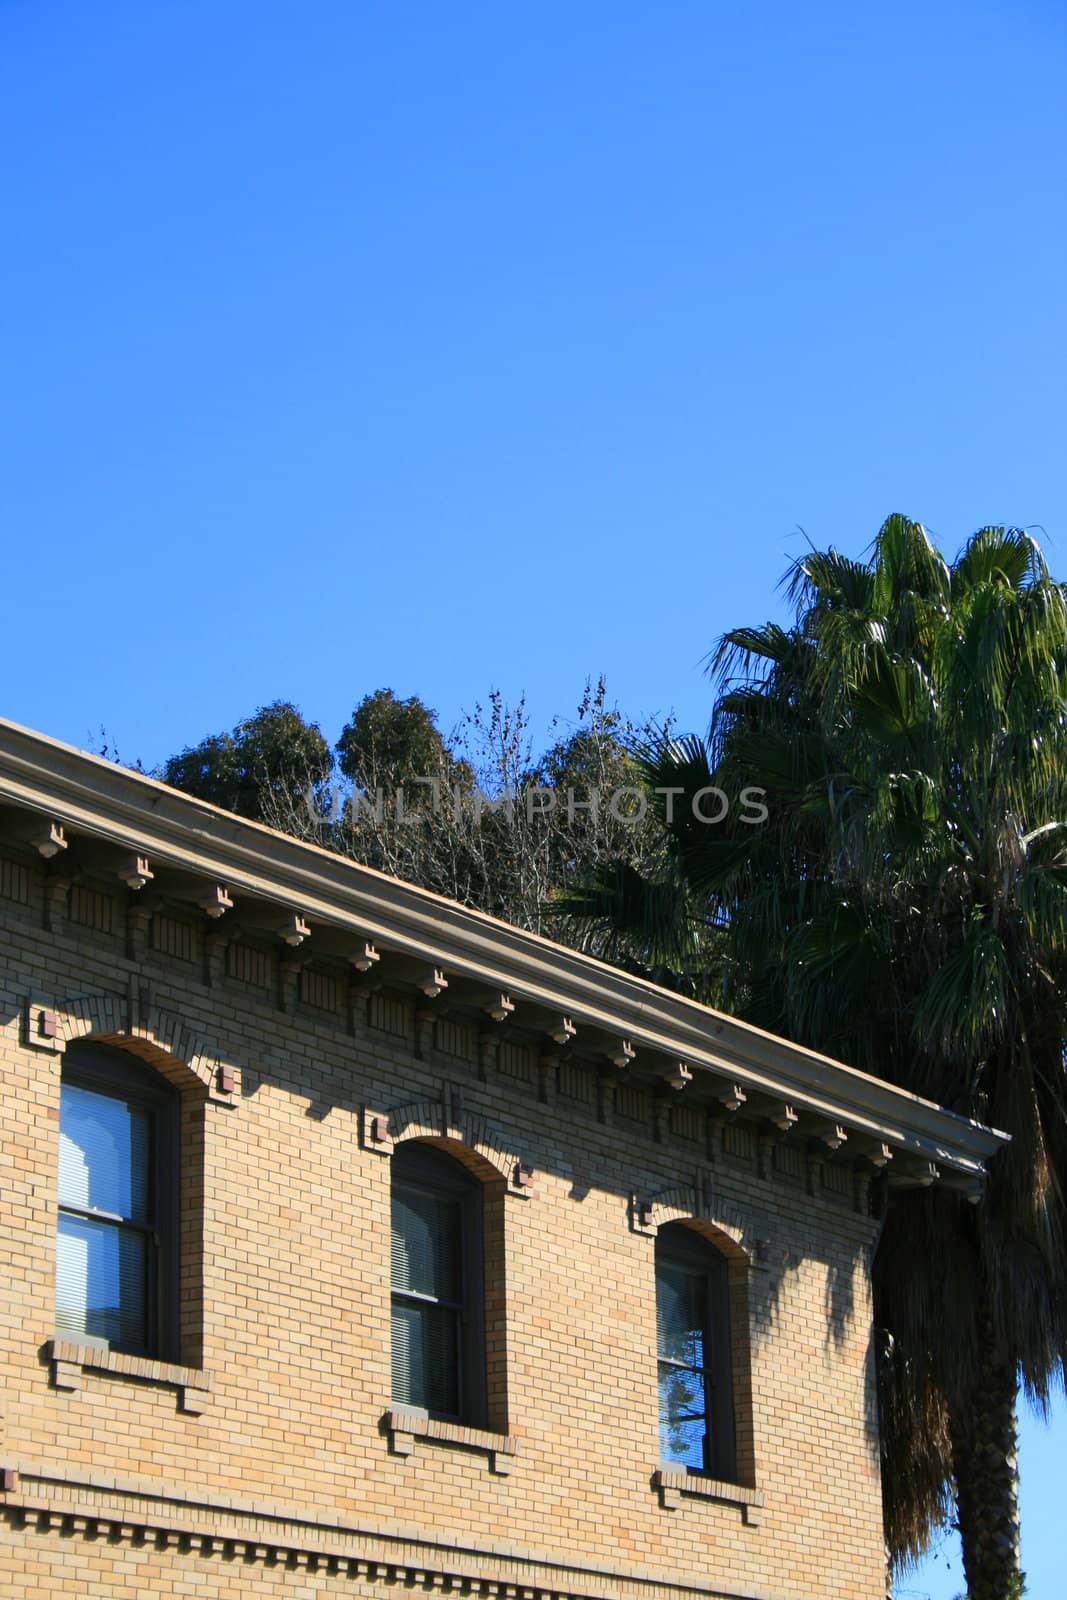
x: 270, y: 1458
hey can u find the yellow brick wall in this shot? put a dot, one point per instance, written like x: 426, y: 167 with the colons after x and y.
x: 287, y: 1473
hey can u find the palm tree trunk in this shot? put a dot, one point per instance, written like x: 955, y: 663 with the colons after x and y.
x: 987, y: 1483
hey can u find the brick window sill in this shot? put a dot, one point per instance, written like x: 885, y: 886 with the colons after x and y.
x: 672, y: 1482
x: 72, y: 1358
x: 404, y: 1427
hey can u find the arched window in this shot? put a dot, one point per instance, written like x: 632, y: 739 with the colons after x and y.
x: 696, y: 1410
x: 117, y: 1246
x: 438, y: 1302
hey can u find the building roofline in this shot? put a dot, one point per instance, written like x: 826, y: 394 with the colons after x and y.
x: 97, y: 797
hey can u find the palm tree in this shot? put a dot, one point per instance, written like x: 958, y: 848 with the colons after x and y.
x: 905, y: 908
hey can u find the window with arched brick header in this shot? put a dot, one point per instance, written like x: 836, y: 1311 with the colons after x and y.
x: 117, y: 1246
x: 438, y: 1286
x: 694, y: 1356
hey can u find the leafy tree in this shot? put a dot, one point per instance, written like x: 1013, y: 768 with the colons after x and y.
x: 497, y: 828
x: 396, y: 742
x: 269, y: 760
x: 905, y: 908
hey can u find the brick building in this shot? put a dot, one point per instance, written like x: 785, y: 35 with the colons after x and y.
x: 357, y: 1243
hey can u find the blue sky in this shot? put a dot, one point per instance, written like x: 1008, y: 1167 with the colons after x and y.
x: 449, y: 347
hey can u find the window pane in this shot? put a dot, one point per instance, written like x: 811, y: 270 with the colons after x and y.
x: 681, y: 1300
x: 681, y: 1416
x: 426, y: 1357
x: 101, y: 1281
x: 103, y: 1153
x: 426, y: 1245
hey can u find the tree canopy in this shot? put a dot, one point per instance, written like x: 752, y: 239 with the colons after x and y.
x: 270, y: 757
x: 396, y: 741
x: 905, y: 908
x: 476, y: 814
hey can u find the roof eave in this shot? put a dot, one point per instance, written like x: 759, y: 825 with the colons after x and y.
x: 96, y: 797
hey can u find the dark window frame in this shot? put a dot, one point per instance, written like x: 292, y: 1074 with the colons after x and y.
x: 113, y: 1072
x: 429, y: 1170
x: 679, y: 1245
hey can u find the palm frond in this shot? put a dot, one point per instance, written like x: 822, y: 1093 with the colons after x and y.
x: 905, y: 559
x: 1006, y: 556
x: 619, y: 912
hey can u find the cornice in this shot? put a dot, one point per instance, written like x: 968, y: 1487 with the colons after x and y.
x: 91, y: 796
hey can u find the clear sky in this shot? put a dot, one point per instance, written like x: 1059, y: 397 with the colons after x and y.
x: 443, y: 347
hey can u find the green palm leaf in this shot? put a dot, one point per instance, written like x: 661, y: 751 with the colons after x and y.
x: 905, y: 907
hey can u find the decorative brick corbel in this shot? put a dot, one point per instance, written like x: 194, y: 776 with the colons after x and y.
x: 678, y: 1076
x: 215, y: 942
x: 813, y: 1166
x: 621, y: 1054
x: 561, y: 1031
x: 365, y: 956
x: 547, y: 1077
x: 49, y: 840
x: 782, y: 1117
x: 731, y: 1097
x: 288, y: 983
x: 56, y: 891
x: 765, y: 1154
x: 361, y: 988
x: 376, y: 1132
x: 193, y: 1401
x: 40, y: 1027
x: 294, y: 931
x: 488, y: 1049
x: 138, y: 1003
x: 498, y: 1006
x: 215, y: 902
x: 135, y: 872
x: 138, y: 922
x: 67, y: 1375
x: 425, y: 1020
x: 452, y: 1100
x: 432, y: 982
x: 669, y: 1497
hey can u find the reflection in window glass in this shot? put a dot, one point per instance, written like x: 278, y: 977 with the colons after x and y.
x: 104, y: 1244
x: 103, y: 1153
x: 101, y: 1281
x: 681, y: 1326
